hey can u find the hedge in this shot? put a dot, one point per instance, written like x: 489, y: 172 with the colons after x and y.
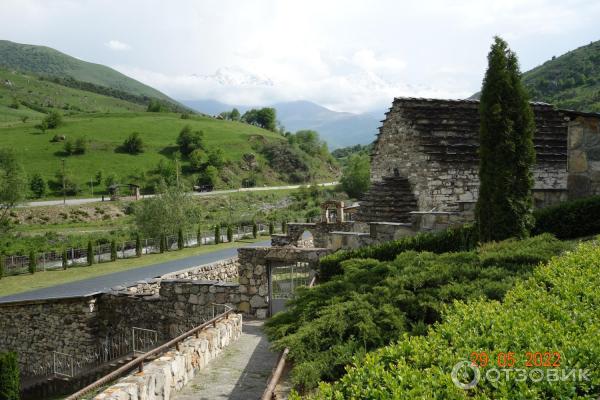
x: 571, y: 219
x: 555, y: 310
x: 9, y: 376
x: 452, y: 239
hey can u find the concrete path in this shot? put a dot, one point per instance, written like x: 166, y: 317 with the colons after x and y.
x: 71, y: 202
x: 123, y: 278
x: 241, y: 372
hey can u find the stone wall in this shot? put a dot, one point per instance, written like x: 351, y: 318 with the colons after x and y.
x: 163, y: 377
x: 584, y: 155
x: 36, y: 328
x: 254, y: 273
x: 433, y: 143
x: 320, y: 232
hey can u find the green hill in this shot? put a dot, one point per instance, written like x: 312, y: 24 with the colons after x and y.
x: 569, y: 81
x: 45, y: 61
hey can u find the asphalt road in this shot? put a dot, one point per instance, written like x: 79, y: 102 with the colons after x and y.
x: 123, y: 278
x: 72, y: 202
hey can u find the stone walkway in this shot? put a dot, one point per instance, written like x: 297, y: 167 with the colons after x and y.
x: 239, y: 373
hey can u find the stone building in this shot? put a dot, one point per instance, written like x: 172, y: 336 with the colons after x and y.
x: 425, y: 158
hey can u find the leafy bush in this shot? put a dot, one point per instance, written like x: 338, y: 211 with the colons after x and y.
x: 374, y: 302
x: 90, y: 253
x: 32, y: 262
x: 37, y: 185
x: 133, y: 144
x: 451, y: 239
x: 189, y: 141
x: 52, y: 120
x: 9, y: 376
x: 217, y: 234
x: 229, y: 234
x: 555, y: 310
x: 570, y: 219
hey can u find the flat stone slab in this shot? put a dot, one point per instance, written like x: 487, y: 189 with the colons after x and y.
x: 241, y: 372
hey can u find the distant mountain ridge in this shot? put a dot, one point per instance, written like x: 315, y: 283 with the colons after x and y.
x: 338, y: 129
x: 45, y: 61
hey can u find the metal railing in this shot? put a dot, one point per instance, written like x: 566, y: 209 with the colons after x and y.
x: 140, y: 360
x: 19, y: 264
x: 278, y: 371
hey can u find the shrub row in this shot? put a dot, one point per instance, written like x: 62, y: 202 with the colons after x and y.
x: 453, y: 239
x: 556, y: 310
x: 571, y: 219
x: 374, y: 302
x: 9, y: 376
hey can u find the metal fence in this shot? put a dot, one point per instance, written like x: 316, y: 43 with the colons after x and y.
x: 19, y: 264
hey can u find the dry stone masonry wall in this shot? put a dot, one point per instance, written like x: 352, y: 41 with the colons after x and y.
x: 163, y: 377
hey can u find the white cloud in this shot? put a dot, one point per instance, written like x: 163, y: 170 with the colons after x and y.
x: 117, y: 45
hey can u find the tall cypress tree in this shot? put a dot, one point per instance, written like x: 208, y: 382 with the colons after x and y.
x: 506, y: 149
x: 9, y: 377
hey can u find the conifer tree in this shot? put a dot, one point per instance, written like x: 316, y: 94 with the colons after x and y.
x: 180, y: 241
x: 271, y: 228
x: 229, y: 233
x: 90, y: 253
x: 506, y: 152
x: 254, y: 230
x: 138, y: 245
x: 199, y: 235
x: 217, y: 234
x: 65, y: 259
x: 9, y: 376
x: 113, y: 250
x: 32, y: 262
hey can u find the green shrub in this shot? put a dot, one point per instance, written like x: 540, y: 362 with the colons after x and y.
x: 162, y: 243
x: 217, y: 234
x: 254, y: 230
x: 283, y: 227
x: 180, y: 241
x: 271, y: 228
x: 113, y: 250
x: 138, y: 245
x: 373, y: 302
x: 229, y: 234
x: 555, y: 310
x: 90, y: 253
x: 9, y: 376
x: 65, y: 259
x: 2, y: 265
x: 452, y: 239
x: 199, y: 235
x: 32, y: 262
x: 571, y: 219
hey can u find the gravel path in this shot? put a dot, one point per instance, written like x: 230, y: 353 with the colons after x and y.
x: 241, y: 372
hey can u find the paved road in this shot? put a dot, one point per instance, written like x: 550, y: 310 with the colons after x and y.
x: 72, y: 202
x: 105, y: 282
x: 241, y: 372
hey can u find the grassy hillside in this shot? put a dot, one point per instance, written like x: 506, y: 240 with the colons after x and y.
x: 28, y: 96
x: 569, y: 81
x: 41, y: 60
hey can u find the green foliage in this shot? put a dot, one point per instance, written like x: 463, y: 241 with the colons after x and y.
x: 452, y: 239
x: 210, y: 176
x: 138, y: 245
x: 265, y: 118
x: 198, y: 159
x: 90, y: 253
x: 571, y: 219
x: 78, y: 146
x: 229, y: 233
x: 113, y: 250
x: 9, y: 376
x: 166, y: 213
x: 271, y: 228
x: 32, y: 262
x: 217, y: 234
x: 133, y: 144
x: 13, y: 185
x: 254, y: 230
x: 373, y: 303
x: 356, y: 176
x: 52, y: 120
x: 155, y: 106
x: 199, y: 235
x: 180, y: 241
x: 65, y: 259
x: 189, y: 140
x: 2, y: 265
x: 554, y: 310
x: 162, y: 243
x: 506, y: 153
x: 37, y: 185
x: 309, y: 142
x: 283, y: 227
x: 216, y: 158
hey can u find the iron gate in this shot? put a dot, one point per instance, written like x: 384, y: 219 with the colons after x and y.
x: 283, y: 282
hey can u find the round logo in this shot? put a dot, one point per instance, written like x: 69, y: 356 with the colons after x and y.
x: 464, y: 375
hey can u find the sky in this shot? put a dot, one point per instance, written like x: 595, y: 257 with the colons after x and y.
x: 347, y: 55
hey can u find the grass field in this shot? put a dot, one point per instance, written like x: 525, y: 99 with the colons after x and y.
x: 23, y: 283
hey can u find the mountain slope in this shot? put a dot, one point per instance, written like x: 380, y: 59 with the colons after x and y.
x: 569, y: 81
x: 338, y: 129
x: 45, y: 61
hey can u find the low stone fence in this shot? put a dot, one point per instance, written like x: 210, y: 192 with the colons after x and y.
x: 165, y: 376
